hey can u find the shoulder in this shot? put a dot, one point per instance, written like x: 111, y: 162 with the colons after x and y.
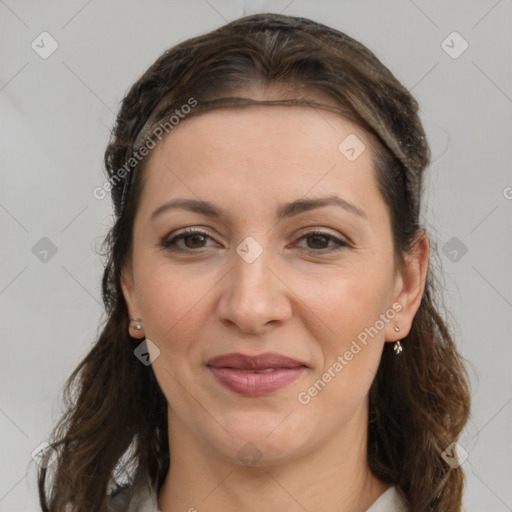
x: 138, y: 497
x: 119, y: 500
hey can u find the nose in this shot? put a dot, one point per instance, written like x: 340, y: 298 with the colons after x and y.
x: 254, y: 295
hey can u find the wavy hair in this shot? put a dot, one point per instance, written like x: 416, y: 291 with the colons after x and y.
x: 115, y: 417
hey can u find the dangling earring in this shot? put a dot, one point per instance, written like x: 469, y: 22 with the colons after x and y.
x: 397, y: 347
x: 138, y: 325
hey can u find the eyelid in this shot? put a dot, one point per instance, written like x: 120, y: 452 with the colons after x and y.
x: 304, y: 231
x: 340, y: 242
x: 322, y: 230
x: 188, y: 231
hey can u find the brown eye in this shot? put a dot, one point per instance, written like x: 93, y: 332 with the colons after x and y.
x: 318, y: 241
x: 193, y: 239
x: 196, y: 241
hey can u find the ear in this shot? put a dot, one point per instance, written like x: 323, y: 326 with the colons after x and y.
x: 130, y: 296
x: 409, y: 287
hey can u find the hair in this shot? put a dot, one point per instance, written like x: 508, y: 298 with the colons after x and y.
x: 115, y: 417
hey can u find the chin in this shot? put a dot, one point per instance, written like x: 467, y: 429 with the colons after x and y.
x: 262, y: 442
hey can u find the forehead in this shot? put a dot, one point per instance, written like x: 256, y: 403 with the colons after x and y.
x: 319, y: 128
x: 261, y: 151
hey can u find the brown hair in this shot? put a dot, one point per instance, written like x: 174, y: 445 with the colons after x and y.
x: 115, y: 420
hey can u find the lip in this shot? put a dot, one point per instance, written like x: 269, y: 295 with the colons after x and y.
x: 242, y: 374
x: 254, y: 362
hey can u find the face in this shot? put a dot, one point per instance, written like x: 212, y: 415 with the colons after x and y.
x: 317, y: 285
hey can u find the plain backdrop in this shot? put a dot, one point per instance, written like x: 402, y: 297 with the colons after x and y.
x: 56, y: 110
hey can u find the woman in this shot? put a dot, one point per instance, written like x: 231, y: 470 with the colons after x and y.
x: 273, y: 341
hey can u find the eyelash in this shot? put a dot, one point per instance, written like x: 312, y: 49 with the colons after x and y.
x: 168, y: 243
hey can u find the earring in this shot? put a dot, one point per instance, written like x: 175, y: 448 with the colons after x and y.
x: 138, y: 325
x: 397, y: 347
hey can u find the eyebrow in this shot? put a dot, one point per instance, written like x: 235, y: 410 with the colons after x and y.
x: 284, y: 211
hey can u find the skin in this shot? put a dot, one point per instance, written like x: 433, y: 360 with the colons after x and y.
x: 291, y: 300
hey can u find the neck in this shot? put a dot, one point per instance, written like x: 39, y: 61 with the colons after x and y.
x: 331, y: 476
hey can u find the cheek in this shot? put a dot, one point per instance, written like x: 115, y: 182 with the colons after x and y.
x: 351, y: 337
x: 171, y: 299
x: 350, y: 357
x: 173, y: 312
x: 349, y: 303
x: 172, y: 304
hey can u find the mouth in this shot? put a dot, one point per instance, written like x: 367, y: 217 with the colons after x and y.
x: 258, y: 375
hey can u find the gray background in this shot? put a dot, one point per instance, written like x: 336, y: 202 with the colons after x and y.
x: 56, y: 114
